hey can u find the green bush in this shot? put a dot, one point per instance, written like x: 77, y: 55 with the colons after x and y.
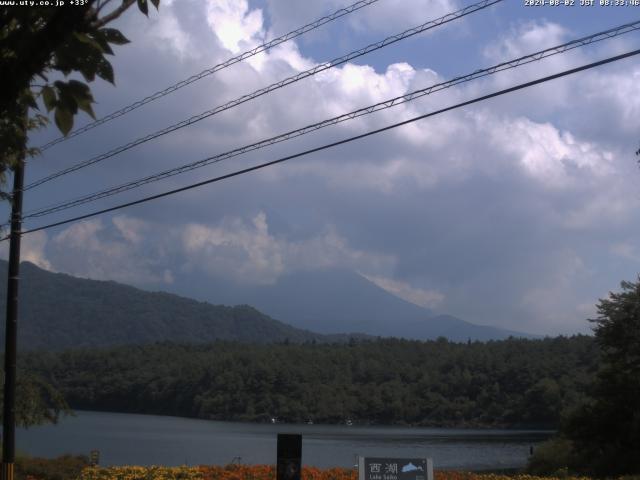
x: 553, y: 457
x: 66, y: 467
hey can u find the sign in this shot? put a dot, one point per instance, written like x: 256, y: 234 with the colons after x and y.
x: 379, y: 468
x: 289, y: 456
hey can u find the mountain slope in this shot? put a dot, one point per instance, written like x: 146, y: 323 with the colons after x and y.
x: 60, y: 311
x: 341, y: 301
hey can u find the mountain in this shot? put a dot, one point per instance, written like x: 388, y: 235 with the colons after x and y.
x: 59, y: 311
x: 341, y: 301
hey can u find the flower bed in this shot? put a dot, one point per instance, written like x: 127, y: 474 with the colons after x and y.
x: 266, y: 472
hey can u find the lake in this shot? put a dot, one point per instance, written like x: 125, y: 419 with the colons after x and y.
x: 128, y: 439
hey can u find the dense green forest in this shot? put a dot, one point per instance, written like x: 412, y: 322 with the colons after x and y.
x: 512, y: 383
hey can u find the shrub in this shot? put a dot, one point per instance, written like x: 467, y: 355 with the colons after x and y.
x: 62, y: 468
x: 553, y: 457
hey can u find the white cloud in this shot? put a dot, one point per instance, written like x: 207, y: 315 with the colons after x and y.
x: 554, y: 158
x: 418, y: 296
x: 250, y: 254
x: 524, y: 39
x: 165, y: 28
x: 32, y: 250
x: 237, y: 27
x: 389, y: 16
x: 91, y: 249
x: 132, y: 229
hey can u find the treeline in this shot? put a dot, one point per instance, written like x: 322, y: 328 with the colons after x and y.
x: 509, y: 383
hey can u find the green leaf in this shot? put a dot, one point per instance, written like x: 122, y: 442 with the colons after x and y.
x: 49, y: 97
x: 86, y: 39
x: 114, y: 36
x: 67, y: 102
x: 143, y: 6
x: 86, y: 107
x: 105, y: 71
x: 66, y: 97
x: 79, y: 90
x: 88, y: 64
x: 82, y: 97
x: 106, y: 48
x: 64, y: 120
x: 30, y: 101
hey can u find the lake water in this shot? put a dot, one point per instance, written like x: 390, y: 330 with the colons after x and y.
x: 126, y: 439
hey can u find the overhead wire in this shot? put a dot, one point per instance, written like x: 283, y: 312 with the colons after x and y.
x: 523, y: 60
x: 209, y: 71
x: 274, y: 86
x: 334, y: 144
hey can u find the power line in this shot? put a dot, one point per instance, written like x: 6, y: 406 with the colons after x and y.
x: 274, y: 86
x: 334, y: 144
x: 205, y: 73
x: 537, y: 56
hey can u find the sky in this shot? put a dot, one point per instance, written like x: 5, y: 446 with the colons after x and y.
x: 518, y: 212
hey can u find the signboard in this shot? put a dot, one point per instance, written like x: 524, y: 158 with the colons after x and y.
x: 289, y: 456
x: 94, y: 458
x: 381, y: 468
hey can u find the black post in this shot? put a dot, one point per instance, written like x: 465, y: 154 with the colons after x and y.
x: 11, y: 329
x: 289, y: 456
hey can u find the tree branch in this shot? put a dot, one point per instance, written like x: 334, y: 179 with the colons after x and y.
x: 101, y: 22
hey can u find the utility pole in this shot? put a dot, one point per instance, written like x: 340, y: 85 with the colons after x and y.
x: 11, y: 329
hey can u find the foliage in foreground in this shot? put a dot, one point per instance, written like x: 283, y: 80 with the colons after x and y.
x: 554, y: 456
x: 602, y: 437
x: 66, y: 467
x: 41, y: 42
x: 70, y: 467
x: 267, y: 472
x: 37, y: 401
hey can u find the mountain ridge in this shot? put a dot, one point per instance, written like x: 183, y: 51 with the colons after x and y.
x: 59, y: 311
x: 341, y: 301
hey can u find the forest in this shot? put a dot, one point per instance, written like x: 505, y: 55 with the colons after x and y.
x: 508, y: 383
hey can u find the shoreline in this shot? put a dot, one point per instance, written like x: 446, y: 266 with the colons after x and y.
x: 355, y: 424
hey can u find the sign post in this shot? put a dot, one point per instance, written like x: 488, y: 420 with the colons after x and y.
x: 289, y: 456
x: 381, y: 468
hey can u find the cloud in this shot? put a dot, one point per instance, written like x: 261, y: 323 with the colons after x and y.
x: 556, y: 159
x: 515, y: 212
x: 522, y: 39
x: 250, y: 254
x: 93, y: 249
x: 32, y: 250
x: 166, y: 28
x: 143, y: 253
x: 247, y: 252
x: 385, y: 17
x: 418, y: 296
x: 557, y: 302
x: 237, y: 27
